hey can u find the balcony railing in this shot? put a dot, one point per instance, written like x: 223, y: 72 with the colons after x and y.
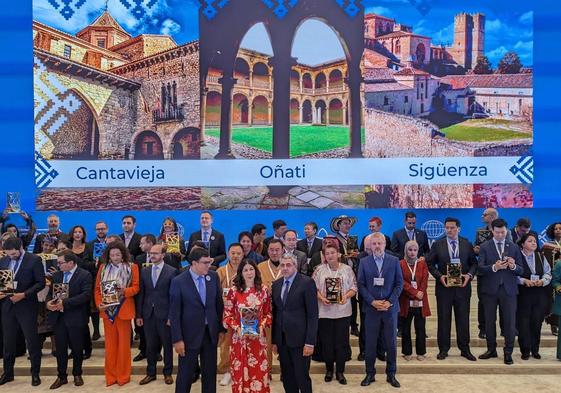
x: 321, y: 90
x: 307, y: 90
x: 262, y: 84
x: 170, y: 114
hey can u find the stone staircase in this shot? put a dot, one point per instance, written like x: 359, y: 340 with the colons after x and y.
x: 454, y: 364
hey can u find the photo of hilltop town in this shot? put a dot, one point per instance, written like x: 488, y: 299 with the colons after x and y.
x: 372, y: 86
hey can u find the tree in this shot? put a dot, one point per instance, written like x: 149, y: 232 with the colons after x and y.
x: 482, y: 66
x: 509, y: 64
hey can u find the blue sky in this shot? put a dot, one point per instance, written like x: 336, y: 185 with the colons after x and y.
x: 509, y: 24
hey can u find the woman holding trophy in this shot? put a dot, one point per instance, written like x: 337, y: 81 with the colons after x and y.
x: 170, y: 235
x: 247, y: 312
x: 336, y: 285
x: 116, y: 285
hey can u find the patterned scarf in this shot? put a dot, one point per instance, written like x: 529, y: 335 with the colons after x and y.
x: 120, y: 273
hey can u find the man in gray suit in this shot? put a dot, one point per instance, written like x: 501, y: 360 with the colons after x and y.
x: 290, y: 241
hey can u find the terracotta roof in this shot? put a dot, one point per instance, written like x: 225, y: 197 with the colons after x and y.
x: 105, y: 20
x: 380, y: 87
x: 491, y: 80
x: 410, y: 71
x: 378, y: 74
x: 400, y: 34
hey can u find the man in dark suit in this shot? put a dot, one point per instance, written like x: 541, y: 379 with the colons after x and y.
x: 69, y: 316
x: 500, y: 262
x: 195, y: 315
x: 295, y: 325
x: 130, y: 237
x: 410, y: 232
x: 380, y: 282
x: 311, y: 244
x: 279, y: 226
x: 452, y: 249
x: 211, y: 238
x: 146, y: 243
x: 290, y: 239
x: 53, y: 223
x: 375, y: 225
x: 523, y: 226
x: 152, y: 309
x: 19, y: 311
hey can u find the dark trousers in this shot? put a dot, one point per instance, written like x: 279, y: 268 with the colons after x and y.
x: 415, y: 314
x: 354, y: 315
x: 142, y: 338
x: 481, y: 310
x: 532, y: 304
x: 386, y: 322
x: 158, y: 335
x: 334, y: 336
x: 12, y: 321
x: 295, y: 369
x: 69, y: 337
x: 457, y: 299
x: 95, y: 321
x: 87, y: 340
x: 507, y: 304
x: 188, y: 363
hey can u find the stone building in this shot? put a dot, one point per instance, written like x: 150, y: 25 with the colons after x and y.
x: 122, y: 97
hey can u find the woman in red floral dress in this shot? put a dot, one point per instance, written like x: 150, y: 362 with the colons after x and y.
x: 248, y: 353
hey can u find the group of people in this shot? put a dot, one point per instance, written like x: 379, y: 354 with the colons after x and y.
x: 230, y: 310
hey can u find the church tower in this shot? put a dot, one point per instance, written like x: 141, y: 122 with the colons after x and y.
x: 104, y: 32
x: 469, y: 39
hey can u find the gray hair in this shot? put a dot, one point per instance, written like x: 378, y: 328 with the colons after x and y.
x: 292, y: 258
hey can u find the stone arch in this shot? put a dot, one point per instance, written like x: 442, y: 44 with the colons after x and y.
x: 321, y: 112
x: 78, y: 138
x: 307, y: 112
x: 320, y: 81
x: 336, y: 115
x: 335, y: 79
x: 240, y: 110
x: 241, y: 71
x: 260, y: 111
x: 261, y: 75
x: 420, y: 53
x: 397, y: 47
x: 148, y: 146
x: 294, y: 80
x: 212, y: 108
x: 186, y: 144
x: 294, y: 111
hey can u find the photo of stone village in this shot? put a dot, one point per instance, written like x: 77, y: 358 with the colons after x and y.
x: 395, y: 94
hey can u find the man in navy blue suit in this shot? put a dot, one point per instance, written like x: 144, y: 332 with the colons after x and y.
x: 295, y: 325
x: 152, y: 309
x: 19, y: 311
x: 500, y: 262
x: 380, y: 282
x: 409, y: 232
x: 195, y: 315
x: 70, y: 316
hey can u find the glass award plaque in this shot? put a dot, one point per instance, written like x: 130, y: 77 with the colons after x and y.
x: 483, y: 235
x: 333, y: 290
x: 172, y: 242
x: 249, y: 321
x: 13, y: 202
x: 60, y: 292
x: 454, y: 275
x: 110, y: 293
x: 352, y: 244
x: 98, y: 250
x: 147, y: 264
x: 7, y: 286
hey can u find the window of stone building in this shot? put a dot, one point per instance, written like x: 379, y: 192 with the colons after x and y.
x: 386, y: 100
x: 67, y: 51
x: 169, y: 99
x: 101, y: 42
x: 406, y: 99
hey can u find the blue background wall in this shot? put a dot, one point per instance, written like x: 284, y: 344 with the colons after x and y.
x: 16, y: 148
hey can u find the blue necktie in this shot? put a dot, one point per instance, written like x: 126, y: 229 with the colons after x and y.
x: 154, y: 275
x: 66, y: 278
x: 285, y: 291
x: 201, y: 288
x: 453, y: 244
x: 15, y: 266
x: 205, y: 238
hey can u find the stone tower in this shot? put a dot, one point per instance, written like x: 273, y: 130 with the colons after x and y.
x: 469, y: 39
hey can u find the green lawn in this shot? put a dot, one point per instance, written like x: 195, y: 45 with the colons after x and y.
x: 480, y: 133
x: 303, y: 139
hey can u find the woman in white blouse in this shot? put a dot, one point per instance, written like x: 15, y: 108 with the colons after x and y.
x: 336, y: 285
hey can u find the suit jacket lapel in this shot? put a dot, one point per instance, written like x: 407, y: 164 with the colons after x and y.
x: 294, y: 284
x: 191, y: 284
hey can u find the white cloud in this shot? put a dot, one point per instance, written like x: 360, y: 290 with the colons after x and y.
x: 384, y: 11
x: 444, y: 36
x: 493, y: 25
x: 496, y: 54
x: 524, y: 45
x: 170, y: 27
x: 527, y: 18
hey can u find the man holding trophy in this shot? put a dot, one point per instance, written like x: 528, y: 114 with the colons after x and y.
x: 453, y: 264
x: 70, y: 310
x: 19, y: 306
